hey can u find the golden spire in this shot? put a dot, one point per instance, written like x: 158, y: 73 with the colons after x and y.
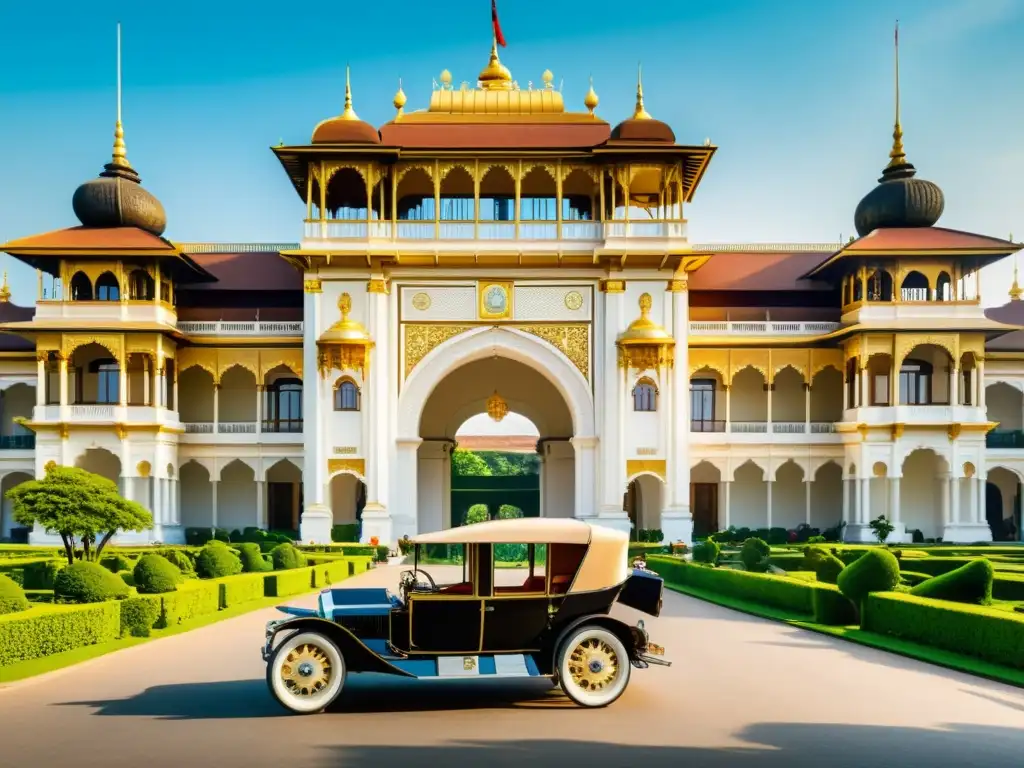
x: 348, y: 113
x: 897, y: 156
x: 590, y: 101
x: 640, y: 113
x: 120, y: 154
x: 399, y: 101
x: 5, y: 290
x: 495, y: 76
x: 1015, y: 290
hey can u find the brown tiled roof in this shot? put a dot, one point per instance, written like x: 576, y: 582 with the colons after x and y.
x: 252, y: 271
x: 928, y: 239
x: 86, y: 238
x: 758, y: 271
x: 488, y: 135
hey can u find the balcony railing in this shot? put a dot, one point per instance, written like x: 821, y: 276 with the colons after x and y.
x: 283, y: 426
x: 240, y: 328
x: 1005, y: 438
x: 17, y: 442
x: 763, y: 427
x: 759, y: 328
x: 528, y: 231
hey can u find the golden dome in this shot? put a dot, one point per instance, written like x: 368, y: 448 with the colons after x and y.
x: 643, y: 330
x: 495, y: 76
x: 345, y: 331
x: 590, y: 101
x: 399, y: 101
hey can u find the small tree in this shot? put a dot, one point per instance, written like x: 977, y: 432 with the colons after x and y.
x: 80, y: 506
x: 882, y: 528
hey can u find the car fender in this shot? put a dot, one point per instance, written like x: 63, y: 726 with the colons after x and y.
x: 621, y: 630
x: 358, y: 658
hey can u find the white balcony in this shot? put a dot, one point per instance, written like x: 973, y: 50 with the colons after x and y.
x: 760, y: 328
x: 106, y: 311
x: 911, y: 415
x: 240, y: 328
x: 104, y: 413
x: 497, y: 235
x: 775, y: 432
x: 242, y: 432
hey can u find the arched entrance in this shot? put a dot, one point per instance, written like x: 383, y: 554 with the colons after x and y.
x: 347, y: 498
x: 643, y: 503
x: 1003, y: 504
x: 284, y: 497
x: 453, y: 383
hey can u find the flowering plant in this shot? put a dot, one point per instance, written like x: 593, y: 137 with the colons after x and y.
x: 374, y: 541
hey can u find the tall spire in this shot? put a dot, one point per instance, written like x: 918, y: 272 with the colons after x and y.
x: 5, y: 290
x: 897, y: 156
x: 120, y: 154
x: 640, y: 113
x: 348, y: 113
x: 1015, y: 290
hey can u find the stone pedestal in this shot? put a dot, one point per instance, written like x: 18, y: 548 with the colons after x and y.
x: 377, y: 523
x: 966, y: 533
x: 315, y: 524
x: 677, y: 526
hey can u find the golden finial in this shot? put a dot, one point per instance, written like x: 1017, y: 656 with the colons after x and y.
x: 399, y: 101
x: 640, y: 113
x: 645, y: 304
x: 590, y: 101
x: 548, y: 78
x: 348, y: 113
x: 120, y: 154
x: 1015, y: 290
x: 897, y: 156
x: 446, y: 79
x: 5, y: 290
x: 495, y: 76
x: 344, y: 306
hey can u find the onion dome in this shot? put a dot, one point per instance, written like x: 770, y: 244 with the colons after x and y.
x: 346, y: 128
x: 117, y: 198
x: 495, y: 76
x: 645, y: 345
x: 400, y: 99
x: 641, y: 126
x: 590, y: 101
x: 346, y: 344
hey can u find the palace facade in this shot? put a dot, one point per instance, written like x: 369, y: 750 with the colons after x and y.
x: 500, y: 252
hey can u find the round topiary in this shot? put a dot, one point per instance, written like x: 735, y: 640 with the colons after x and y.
x: 875, y: 571
x: 825, y: 565
x: 754, y: 554
x: 971, y: 583
x: 181, y: 560
x: 286, y: 556
x: 252, y: 558
x: 706, y: 552
x: 12, y: 596
x: 116, y: 563
x: 155, y: 575
x: 88, y: 582
x: 216, y: 560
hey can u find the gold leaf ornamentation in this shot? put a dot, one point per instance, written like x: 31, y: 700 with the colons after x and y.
x: 421, y: 339
x: 572, y: 340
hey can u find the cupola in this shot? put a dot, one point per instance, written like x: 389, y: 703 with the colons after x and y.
x: 645, y: 345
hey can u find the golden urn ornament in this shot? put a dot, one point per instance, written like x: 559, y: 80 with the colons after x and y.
x: 497, y: 408
x: 645, y: 345
x: 346, y: 344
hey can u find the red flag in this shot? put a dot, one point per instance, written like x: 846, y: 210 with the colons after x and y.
x: 500, y: 38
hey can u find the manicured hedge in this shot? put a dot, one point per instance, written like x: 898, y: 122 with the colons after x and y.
x: 986, y: 633
x: 193, y: 599
x: 46, y: 629
x: 291, y: 582
x: 140, y: 614
x: 235, y: 590
x: 1008, y: 586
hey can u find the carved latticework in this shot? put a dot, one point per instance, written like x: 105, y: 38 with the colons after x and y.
x: 572, y: 340
x: 421, y: 339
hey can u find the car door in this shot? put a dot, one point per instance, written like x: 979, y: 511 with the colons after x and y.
x: 451, y: 623
x: 515, y: 617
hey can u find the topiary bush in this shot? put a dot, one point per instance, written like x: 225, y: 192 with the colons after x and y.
x: 216, y: 560
x: 127, y: 577
x: 252, y: 558
x: 971, y: 583
x: 116, y: 563
x: 875, y: 571
x: 706, y: 552
x: 754, y: 554
x: 12, y: 597
x: 286, y: 557
x: 86, y: 582
x: 825, y: 565
x: 42, y: 575
x: 180, y: 559
x: 155, y: 575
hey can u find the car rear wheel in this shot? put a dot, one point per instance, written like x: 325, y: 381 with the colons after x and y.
x: 306, y: 672
x: 593, y: 666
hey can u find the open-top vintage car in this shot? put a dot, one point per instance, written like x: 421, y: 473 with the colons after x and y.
x: 511, y: 598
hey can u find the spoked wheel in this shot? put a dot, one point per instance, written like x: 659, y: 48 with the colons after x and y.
x: 593, y: 667
x: 306, y: 672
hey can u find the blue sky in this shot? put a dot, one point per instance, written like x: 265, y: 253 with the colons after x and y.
x: 797, y: 95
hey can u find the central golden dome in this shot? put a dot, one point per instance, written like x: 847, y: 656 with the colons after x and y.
x: 495, y: 76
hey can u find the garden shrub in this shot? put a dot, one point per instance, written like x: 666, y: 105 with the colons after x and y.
x: 154, y: 575
x: 816, y: 539
x: 831, y: 607
x: 706, y: 552
x: 193, y: 599
x: 12, y: 596
x: 252, y: 558
x: 754, y: 554
x: 47, y: 629
x: 116, y: 563
x: 127, y: 577
x: 219, y: 534
x: 85, y: 582
x: 1008, y: 586
x: 913, y: 578
x: 182, y: 560
x: 241, y: 589
x: 345, y: 533
x: 286, y: 557
x: 985, y: 633
x: 139, y: 615
x: 971, y: 583
x: 290, y: 582
x: 216, y: 560
x: 199, y: 537
x: 876, y: 571
x: 41, y: 575
x: 825, y: 565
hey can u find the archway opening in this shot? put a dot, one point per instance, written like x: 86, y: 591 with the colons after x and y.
x: 924, y: 492
x: 100, y: 462
x: 1003, y: 504
x: 284, y: 497
x: 196, y: 496
x: 348, y: 498
x: 706, y: 501
x: 236, y: 497
x: 644, y: 501
x: 9, y: 529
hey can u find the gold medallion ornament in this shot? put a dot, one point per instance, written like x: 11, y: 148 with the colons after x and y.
x: 573, y: 300
x: 495, y: 300
x: 497, y: 408
x: 421, y: 301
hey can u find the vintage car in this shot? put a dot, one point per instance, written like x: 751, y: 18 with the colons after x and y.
x: 486, y: 620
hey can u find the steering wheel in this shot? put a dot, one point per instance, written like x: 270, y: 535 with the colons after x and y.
x: 409, y: 581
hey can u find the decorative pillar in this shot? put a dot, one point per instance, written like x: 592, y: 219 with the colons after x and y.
x: 945, y: 484
x: 316, y: 518
x: 677, y: 518
x: 612, y: 409
x: 954, y: 483
x: 954, y: 385
x: 894, y: 500
x: 865, y: 383
x: 807, y: 409
x: 728, y: 505
x: 977, y: 500
x: 174, y: 380
x: 213, y: 500
x: 122, y: 381
x: 865, y: 501
x: 62, y: 368
x: 728, y: 407
x: 259, y: 408
x: 160, y: 396
x: 406, y: 496
x: 846, y: 393
x: 146, y: 372
x: 768, y: 389
x: 376, y: 516
x: 807, y: 500
x: 586, y: 476
x: 158, y: 504
x: 259, y: 504
x: 846, y: 500
x: 216, y: 407
x: 41, y: 378
x: 768, y: 506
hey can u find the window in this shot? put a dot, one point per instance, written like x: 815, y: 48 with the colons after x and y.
x: 645, y: 396
x: 702, y: 405
x: 108, y: 381
x: 141, y: 286
x: 915, y: 383
x: 965, y: 387
x: 107, y: 288
x: 880, y: 393
x: 284, y: 406
x: 81, y: 288
x: 346, y: 396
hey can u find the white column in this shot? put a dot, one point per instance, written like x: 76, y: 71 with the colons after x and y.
x: 613, y: 407
x: 406, y: 496
x: 954, y: 386
x: 175, y: 505
x: 945, y: 484
x: 585, y: 498
x: 175, y: 389
x: 158, y: 503
x: 62, y: 367
x: 259, y: 409
x: 676, y: 518
x: 846, y: 393
x: 213, y: 506
x: 160, y: 382
x: 378, y: 441
x: 865, y: 392
x: 846, y: 500
x: 728, y: 408
x: 259, y: 503
x: 728, y: 505
x: 768, y: 485
x: 807, y: 499
x: 865, y: 501
x: 768, y: 391
x: 122, y: 382
x: 216, y: 407
x: 978, y: 500
x: 955, y: 492
x: 894, y: 500
x: 807, y: 409
x: 146, y: 371
x: 41, y: 377
x: 314, y: 465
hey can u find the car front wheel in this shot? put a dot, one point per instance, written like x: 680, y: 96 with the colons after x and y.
x: 306, y: 672
x: 593, y: 666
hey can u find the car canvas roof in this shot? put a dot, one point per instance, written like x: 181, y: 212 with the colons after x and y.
x: 531, y: 530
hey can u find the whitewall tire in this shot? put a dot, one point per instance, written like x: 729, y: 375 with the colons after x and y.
x: 306, y: 672
x: 593, y: 666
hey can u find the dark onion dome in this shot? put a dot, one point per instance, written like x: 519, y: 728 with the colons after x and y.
x: 117, y: 198
x: 641, y: 126
x: 346, y: 128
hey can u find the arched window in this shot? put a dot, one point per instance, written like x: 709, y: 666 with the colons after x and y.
x: 702, y: 405
x: 880, y: 286
x: 943, y: 288
x: 141, y: 286
x: 284, y: 406
x: 915, y: 287
x: 346, y: 396
x: 81, y: 288
x: 645, y: 396
x: 108, y: 381
x: 107, y: 288
x: 915, y: 383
